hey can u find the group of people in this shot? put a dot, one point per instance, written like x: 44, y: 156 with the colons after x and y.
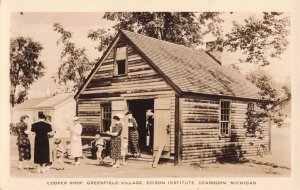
x: 45, y: 153
x: 119, y: 143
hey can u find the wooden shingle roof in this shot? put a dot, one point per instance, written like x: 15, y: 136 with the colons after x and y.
x: 193, y: 71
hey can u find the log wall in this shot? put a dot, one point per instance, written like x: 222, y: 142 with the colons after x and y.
x: 141, y: 82
x: 201, y: 141
x: 199, y: 119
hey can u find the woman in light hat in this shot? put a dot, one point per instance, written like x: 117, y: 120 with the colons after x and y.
x: 75, y: 142
x: 115, y: 145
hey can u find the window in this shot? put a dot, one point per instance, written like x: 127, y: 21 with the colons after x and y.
x: 121, y: 64
x: 120, y: 61
x: 225, y: 118
x: 105, y: 117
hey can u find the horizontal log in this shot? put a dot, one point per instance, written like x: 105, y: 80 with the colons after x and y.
x: 88, y: 101
x: 135, y: 61
x: 141, y: 72
x: 197, y: 110
x: 202, y: 100
x: 167, y: 93
x: 235, y: 104
x: 83, y: 114
x: 134, y: 57
x: 200, y: 114
x: 198, y: 134
x: 124, y: 86
x: 198, y: 131
x: 200, y: 105
x: 191, y: 128
x: 89, y: 106
x: 125, y: 78
x: 201, y: 120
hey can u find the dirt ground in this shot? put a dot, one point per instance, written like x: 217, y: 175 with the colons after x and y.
x: 276, y: 164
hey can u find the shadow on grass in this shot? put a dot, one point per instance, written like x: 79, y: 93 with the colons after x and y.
x: 269, y: 164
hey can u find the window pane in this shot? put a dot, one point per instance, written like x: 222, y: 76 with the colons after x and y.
x: 106, y: 117
x: 121, y: 67
x: 225, y: 115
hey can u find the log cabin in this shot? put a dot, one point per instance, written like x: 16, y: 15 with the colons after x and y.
x: 199, y: 105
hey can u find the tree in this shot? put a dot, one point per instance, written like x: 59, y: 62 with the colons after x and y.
x: 260, y: 39
x: 104, y: 37
x: 75, y: 64
x: 179, y: 27
x: 274, y: 97
x: 25, y: 67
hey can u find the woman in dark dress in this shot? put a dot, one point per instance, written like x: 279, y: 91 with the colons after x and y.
x: 115, y: 144
x: 41, y: 142
x: 23, y: 142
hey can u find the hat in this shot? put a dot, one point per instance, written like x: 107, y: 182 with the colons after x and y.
x: 119, y: 115
x: 23, y: 117
x: 57, y: 141
x: 116, y: 118
x: 149, y: 112
x: 48, y: 117
x: 75, y: 118
x: 41, y: 115
x: 129, y: 112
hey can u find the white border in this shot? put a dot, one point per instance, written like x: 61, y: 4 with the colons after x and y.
x: 7, y: 6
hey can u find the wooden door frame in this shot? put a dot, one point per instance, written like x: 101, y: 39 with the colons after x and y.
x: 178, y: 130
x: 140, y: 99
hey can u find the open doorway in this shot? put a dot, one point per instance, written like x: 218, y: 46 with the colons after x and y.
x: 139, y: 109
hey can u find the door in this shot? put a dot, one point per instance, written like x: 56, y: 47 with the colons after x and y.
x: 139, y: 109
x: 162, y: 119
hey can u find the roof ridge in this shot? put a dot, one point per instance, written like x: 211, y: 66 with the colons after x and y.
x: 163, y: 41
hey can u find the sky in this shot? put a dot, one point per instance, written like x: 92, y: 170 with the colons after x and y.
x: 39, y: 26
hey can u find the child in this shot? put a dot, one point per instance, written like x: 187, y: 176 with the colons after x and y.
x: 100, y: 144
x: 124, y: 149
x: 59, y: 153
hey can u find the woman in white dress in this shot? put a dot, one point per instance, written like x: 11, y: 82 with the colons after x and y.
x: 75, y: 142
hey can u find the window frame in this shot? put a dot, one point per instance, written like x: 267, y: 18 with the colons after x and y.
x: 229, y: 118
x: 102, y: 106
x: 115, y: 69
x: 118, y: 64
